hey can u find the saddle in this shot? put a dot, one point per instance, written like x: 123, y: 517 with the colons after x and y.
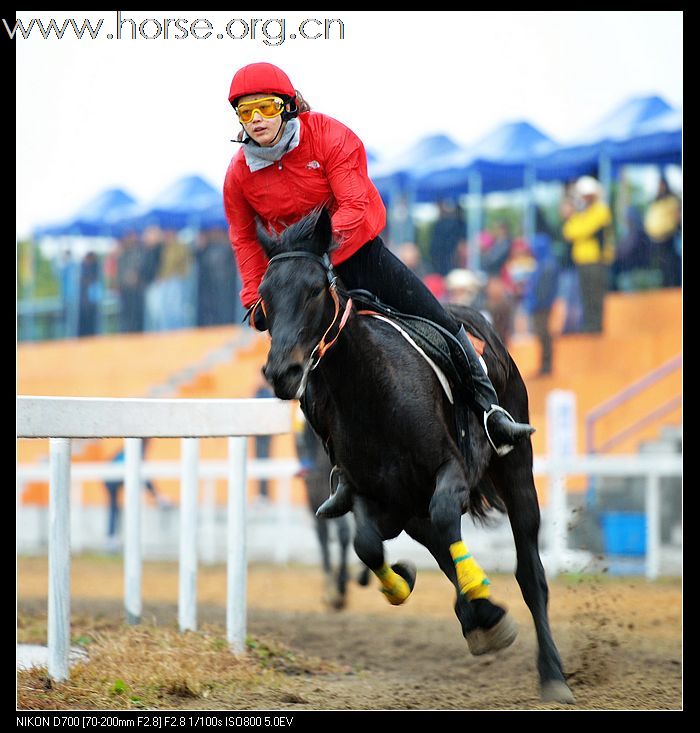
x: 439, y: 346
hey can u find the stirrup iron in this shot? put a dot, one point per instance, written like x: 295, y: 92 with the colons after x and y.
x: 506, y: 448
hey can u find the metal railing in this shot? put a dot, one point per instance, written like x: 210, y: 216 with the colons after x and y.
x: 605, y: 408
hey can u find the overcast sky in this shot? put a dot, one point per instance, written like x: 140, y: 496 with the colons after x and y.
x: 140, y: 113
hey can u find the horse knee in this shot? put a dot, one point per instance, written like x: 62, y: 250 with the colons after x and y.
x: 368, y: 546
x: 446, y: 502
x: 445, y: 515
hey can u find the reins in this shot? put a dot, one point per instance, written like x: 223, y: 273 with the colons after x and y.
x: 322, y: 347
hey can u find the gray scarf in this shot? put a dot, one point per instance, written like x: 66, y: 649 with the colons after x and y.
x: 257, y: 157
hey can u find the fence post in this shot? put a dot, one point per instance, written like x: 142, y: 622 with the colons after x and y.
x: 59, y: 559
x: 189, y: 495
x: 236, y: 546
x: 132, y: 529
x: 561, y: 442
x: 653, y: 529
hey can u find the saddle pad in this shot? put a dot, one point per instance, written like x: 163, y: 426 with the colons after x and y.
x: 438, y: 372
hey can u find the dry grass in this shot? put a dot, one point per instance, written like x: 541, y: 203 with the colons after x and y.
x: 148, y: 667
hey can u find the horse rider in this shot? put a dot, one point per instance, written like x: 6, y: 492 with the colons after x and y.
x: 293, y: 160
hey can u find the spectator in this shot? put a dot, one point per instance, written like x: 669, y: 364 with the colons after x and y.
x: 68, y: 276
x: 410, y: 255
x: 90, y: 294
x: 569, y: 287
x: 518, y: 268
x: 400, y: 226
x: 464, y: 288
x: 663, y: 225
x: 166, y: 298
x: 113, y: 489
x: 153, y: 305
x: 175, y: 268
x: 499, y: 302
x: 217, y: 279
x: 495, y: 250
x: 541, y: 289
x: 589, y: 229
x: 447, y: 235
x: 633, y: 252
x: 130, y: 283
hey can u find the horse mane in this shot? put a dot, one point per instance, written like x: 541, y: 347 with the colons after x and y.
x: 312, y: 233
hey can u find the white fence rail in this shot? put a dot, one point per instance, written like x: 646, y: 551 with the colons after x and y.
x: 62, y: 418
x: 650, y: 466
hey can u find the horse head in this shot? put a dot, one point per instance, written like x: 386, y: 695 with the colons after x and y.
x: 298, y: 295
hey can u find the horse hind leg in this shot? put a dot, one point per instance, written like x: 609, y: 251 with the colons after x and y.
x: 329, y: 591
x: 396, y: 581
x: 486, y: 626
x: 513, y: 478
x: 336, y: 591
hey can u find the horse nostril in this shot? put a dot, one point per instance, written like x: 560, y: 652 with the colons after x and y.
x: 294, y: 373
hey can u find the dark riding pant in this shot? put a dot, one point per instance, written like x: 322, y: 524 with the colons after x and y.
x: 373, y: 267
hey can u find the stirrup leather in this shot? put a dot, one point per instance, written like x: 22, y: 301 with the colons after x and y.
x: 506, y: 448
x: 333, y: 487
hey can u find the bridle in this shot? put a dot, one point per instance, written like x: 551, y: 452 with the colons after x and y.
x: 340, y: 316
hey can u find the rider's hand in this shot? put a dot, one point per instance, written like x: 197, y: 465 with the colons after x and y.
x: 259, y: 320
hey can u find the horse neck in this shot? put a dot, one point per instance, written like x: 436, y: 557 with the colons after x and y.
x: 349, y: 360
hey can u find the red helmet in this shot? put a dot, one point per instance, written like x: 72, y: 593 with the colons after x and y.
x: 260, y: 77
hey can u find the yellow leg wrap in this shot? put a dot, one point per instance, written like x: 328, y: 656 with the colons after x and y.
x: 394, y: 587
x: 472, y: 579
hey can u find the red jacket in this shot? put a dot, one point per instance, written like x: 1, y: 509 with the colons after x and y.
x: 329, y: 166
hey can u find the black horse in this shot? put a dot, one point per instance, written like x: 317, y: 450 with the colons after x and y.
x: 317, y: 468
x: 389, y: 425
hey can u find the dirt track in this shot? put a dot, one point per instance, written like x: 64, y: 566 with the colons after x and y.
x: 620, y: 639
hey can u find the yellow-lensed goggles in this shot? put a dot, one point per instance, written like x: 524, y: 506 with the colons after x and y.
x: 268, y: 107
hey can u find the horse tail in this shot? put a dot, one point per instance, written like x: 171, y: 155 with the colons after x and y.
x: 484, y: 501
x: 475, y: 322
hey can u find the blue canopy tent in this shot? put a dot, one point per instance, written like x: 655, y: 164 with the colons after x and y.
x: 214, y: 217
x: 391, y: 175
x: 609, y: 142
x: 180, y: 205
x: 658, y: 141
x: 497, y: 162
x: 498, y: 159
x: 95, y: 218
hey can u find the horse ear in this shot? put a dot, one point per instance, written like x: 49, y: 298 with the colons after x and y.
x: 269, y: 243
x: 323, y: 232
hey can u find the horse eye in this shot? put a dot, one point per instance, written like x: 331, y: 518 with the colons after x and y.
x: 315, y: 292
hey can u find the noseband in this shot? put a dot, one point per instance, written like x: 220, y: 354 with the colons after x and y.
x: 322, y: 346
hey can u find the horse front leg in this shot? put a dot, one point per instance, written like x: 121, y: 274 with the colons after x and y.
x: 342, y: 524
x: 485, y: 625
x: 517, y: 488
x: 397, y: 580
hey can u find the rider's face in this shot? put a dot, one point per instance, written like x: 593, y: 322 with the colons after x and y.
x: 264, y: 131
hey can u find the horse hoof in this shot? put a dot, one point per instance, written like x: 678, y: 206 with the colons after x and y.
x: 557, y: 691
x: 484, y: 641
x: 407, y: 570
x: 335, y: 601
x: 363, y: 577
